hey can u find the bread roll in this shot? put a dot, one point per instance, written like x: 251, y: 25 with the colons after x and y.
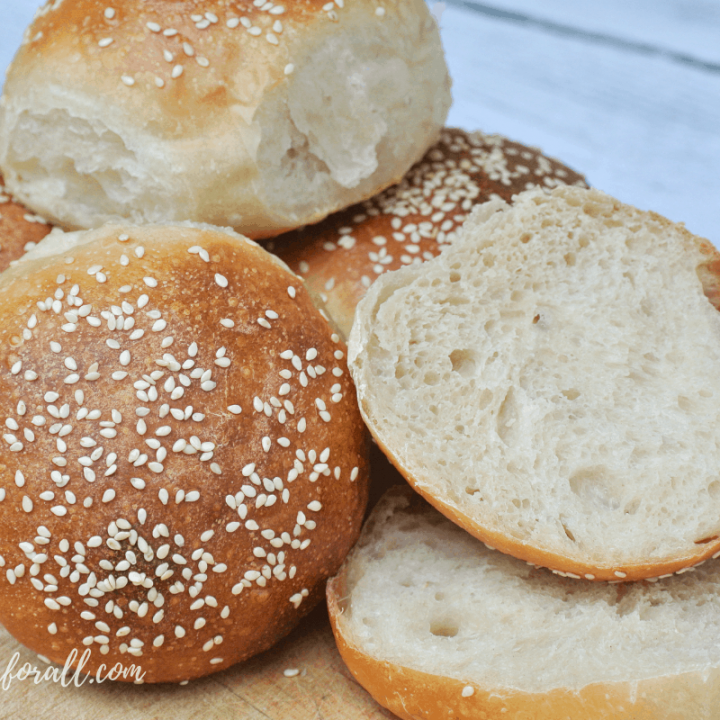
x: 183, y: 459
x: 436, y: 626
x: 412, y: 221
x: 20, y: 229
x: 259, y: 116
x: 550, y: 383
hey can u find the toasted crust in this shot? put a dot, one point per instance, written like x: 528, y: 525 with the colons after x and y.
x: 19, y: 228
x: 207, y: 111
x: 340, y: 257
x: 128, y: 471
x: 416, y: 695
x: 704, y: 548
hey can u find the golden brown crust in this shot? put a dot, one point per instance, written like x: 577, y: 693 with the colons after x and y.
x: 18, y: 227
x: 341, y: 256
x: 197, y: 504
x: 141, y: 32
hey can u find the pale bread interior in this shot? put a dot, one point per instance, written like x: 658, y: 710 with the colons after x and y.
x: 422, y: 593
x: 553, y: 376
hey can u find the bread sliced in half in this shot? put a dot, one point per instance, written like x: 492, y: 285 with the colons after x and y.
x: 436, y: 626
x: 551, y: 382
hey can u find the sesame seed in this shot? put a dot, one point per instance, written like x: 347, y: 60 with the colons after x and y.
x: 468, y: 691
x: 105, y: 42
x: 177, y: 71
x: 221, y: 280
x: 150, y: 282
x: 127, y: 80
x: 153, y: 27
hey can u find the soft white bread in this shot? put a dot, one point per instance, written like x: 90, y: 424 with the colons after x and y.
x: 183, y: 460
x: 436, y: 626
x: 551, y: 383
x: 263, y: 118
x: 414, y: 220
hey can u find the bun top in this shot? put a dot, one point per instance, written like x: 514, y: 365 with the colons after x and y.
x: 549, y: 382
x: 20, y: 229
x: 410, y: 222
x: 156, y: 110
x: 184, y: 460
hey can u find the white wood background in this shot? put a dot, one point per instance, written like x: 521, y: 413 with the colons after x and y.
x: 626, y: 91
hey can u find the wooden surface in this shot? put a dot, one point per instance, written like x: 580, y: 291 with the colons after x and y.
x: 256, y: 690
x: 627, y: 93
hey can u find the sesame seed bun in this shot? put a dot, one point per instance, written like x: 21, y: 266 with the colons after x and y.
x: 20, y: 229
x: 262, y: 118
x: 184, y: 463
x: 411, y: 222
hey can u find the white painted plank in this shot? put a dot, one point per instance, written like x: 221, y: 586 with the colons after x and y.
x: 689, y: 28
x: 641, y: 127
x: 15, y: 16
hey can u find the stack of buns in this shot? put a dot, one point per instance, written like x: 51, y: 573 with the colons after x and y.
x: 186, y: 454
x: 185, y: 460
x: 548, y: 384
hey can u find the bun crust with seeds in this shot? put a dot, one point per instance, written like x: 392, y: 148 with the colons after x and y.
x: 20, y: 229
x: 340, y: 257
x: 260, y: 116
x: 183, y: 460
x: 549, y: 383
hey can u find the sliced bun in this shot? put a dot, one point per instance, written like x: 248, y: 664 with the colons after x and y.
x: 434, y: 626
x: 20, y: 229
x: 551, y: 383
x: 184, y: 463
x: 410, y: 222
x: 261, y: 118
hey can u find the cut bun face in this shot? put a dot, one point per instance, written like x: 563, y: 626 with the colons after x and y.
x: 184, y: 463
x: 550, y: 383
x: 262, y: 118
x: 414, y: 220
x: 435, y: 625
x: 20, y: 229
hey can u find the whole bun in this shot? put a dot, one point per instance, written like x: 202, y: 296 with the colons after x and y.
x: 411, y: 222
x: 184, y: 463
x: 263, y: 117
x: 20, y: 229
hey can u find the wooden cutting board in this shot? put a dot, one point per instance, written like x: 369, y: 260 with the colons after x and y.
x: 255, y: 690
